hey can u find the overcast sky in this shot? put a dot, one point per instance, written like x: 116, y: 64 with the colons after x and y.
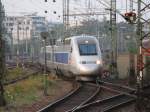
x: 24, y: 7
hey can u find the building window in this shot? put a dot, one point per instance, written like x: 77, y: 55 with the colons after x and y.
x: 11, y: 24
x: 19, y: 28
x: 7, y: 24
x: 28, y: 22
x: 11, y: 18
x: 27, y: 28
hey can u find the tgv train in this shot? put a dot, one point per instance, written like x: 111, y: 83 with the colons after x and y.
x: 77, y: 56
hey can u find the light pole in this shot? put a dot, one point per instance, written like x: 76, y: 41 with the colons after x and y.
x: 26, y: 40
x: 23, y: 57
x: 45, y: 68
x: 12, y: 47
x: 18, y: 43
x: 44, y: 35
x: 32, y: 45
x: 52, y: 44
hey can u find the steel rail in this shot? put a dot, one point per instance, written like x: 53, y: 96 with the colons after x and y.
x: 46, y: 108
x: 105, y: 104
x: 121, y: 88
x: 114, y: 107
x: 103, y: 93
x: 75, y: 98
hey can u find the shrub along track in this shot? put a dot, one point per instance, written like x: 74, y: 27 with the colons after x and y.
x: 29, y: 71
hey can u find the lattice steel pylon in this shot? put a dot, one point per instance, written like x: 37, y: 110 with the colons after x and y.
x: 140, y: 61
x: 66, y: 16
x: 139, y: 40
x: 131, y: 5
x: 113, y: 29
x: 140, y: 36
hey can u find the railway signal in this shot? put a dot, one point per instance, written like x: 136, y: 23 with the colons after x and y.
x: 130, y: 17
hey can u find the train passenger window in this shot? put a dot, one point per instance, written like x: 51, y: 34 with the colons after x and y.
x: 87, y: 49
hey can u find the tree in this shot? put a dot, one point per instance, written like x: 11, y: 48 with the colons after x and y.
x: 2, y: 56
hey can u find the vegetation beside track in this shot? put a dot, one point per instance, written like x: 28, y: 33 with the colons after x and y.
x: 26, y: 92
x: 14, y: 73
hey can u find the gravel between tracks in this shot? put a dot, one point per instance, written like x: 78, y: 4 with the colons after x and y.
x: 84, y: 92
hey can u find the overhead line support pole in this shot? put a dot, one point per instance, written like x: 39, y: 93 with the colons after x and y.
x: 66, y: 16
x: 2, y: 57
x: 114, y: 70
x: 18, y: 44
x: 139, y: 37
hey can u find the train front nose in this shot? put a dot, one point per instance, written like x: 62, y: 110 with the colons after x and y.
x: 89, y: 69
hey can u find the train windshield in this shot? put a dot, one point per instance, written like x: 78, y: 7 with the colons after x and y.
x: 87, y: 49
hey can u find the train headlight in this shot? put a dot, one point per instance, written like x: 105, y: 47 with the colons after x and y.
x: 98, y: 62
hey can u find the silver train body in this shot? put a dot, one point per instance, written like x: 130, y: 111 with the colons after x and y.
x: 77, y: 56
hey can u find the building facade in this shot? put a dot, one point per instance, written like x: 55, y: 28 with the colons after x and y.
x: 24, y: 32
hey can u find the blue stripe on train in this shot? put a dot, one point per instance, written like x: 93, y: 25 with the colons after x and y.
x: 61, y: 58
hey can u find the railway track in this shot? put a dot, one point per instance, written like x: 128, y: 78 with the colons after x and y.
x: 117, y: 87
x: 103, y: 93
x: 10, y: 65
x: 94, y: 98
x: 83, y: 95
x: 106, y: 105
x: 77, y: 98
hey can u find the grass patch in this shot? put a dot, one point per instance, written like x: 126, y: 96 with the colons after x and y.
x: 28, y: 91
x: 24, y: 91
x: 13, y: 73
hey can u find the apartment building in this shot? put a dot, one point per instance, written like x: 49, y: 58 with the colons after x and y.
x: 25, y: 32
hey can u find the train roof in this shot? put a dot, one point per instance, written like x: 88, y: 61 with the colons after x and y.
x: 59, y: 41
x: 75, y: 37
x: 81, y: 36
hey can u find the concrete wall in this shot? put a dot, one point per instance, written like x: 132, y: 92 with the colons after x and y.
x: 123, y: 65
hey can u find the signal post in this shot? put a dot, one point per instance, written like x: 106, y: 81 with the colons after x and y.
x: 44, y: 36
